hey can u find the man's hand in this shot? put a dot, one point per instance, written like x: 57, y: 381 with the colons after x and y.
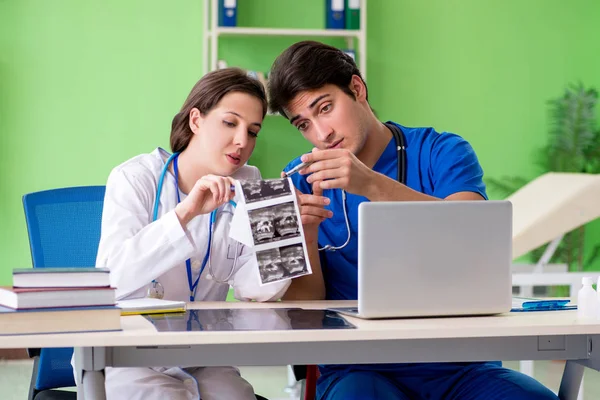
x: 312, y: 211
x: 338, y: 169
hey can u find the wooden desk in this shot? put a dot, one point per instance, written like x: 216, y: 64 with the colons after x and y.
x: 513, y: 336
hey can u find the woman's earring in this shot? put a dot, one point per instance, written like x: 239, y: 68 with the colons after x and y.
x: 156, y: 290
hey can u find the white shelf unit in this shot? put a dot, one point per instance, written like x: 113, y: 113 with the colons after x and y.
x: 212, y: 32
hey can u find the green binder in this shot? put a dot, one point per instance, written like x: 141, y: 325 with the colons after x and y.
x: 352, y: 14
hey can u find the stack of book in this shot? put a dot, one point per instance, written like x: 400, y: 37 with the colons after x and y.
x: 58, y: 300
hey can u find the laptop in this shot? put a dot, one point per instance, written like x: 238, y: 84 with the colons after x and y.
x: 433, y: 258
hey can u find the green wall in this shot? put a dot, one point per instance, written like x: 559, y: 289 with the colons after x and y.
x: 85, y: 85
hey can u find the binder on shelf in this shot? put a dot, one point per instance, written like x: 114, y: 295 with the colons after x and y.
x: 227, y: 12
x: 334, y: 14
x: 259, y: 76
x: 351, y: 53
x: 352, y: 14
x: 221, y: 64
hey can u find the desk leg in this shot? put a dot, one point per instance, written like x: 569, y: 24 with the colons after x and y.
x: 90, y: 363
x: 571, y: 381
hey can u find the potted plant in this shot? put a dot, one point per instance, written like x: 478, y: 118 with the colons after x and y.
x: 573, y: 146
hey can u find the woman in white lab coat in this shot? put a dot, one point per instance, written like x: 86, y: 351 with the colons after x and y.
x: 214, y: 133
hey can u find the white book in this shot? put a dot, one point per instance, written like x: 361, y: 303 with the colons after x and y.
x: 60, y: 277
x: 23, y: 298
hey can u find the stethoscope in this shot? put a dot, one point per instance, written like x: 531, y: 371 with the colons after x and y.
x: 401, y: 152
x: 156, y: 290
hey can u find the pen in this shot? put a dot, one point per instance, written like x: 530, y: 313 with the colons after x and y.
x: 298, y: 168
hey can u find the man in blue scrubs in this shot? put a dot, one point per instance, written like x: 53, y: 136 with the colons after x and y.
x: 320, y: 91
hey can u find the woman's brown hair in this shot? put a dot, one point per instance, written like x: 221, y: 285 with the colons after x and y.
x: 206, y: 94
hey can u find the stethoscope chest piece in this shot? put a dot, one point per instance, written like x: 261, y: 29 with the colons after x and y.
x: 156, y: 290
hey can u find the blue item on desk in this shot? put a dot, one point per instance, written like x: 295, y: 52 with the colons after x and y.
x: 525, y: 304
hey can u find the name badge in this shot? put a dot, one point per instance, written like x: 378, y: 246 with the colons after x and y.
x: 230, y: 252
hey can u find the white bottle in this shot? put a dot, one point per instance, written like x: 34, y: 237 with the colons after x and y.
x: 587, y: 300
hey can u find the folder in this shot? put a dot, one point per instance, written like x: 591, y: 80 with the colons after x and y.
x: 150, y: 306
x: 352, y: 14
x: 227, y: 12
x: 334, y: 14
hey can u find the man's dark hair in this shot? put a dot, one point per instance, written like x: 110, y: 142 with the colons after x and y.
x: 308, y: 65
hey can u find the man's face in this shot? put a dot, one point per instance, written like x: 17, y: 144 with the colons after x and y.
x: 329, y: 118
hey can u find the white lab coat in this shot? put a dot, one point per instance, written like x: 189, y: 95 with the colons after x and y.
x: 138, y: 250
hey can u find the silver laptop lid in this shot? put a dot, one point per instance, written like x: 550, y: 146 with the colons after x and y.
x: 432, y: 258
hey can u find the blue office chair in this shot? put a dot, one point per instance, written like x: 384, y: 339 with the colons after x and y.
x: 64, y: 231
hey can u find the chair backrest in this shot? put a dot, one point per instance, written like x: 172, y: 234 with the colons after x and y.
x: 64, y: 226
x: 64, y: 231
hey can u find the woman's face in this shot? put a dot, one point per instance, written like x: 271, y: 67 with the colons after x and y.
x: 225, y: 137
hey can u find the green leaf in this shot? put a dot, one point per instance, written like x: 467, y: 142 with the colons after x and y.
x: 573, y: 132
x: 594, y: 255
x: 573, y: 146
x: 506, y: 185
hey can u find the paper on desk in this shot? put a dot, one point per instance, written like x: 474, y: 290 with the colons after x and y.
x: 147, y: 305
x: 267, y: 219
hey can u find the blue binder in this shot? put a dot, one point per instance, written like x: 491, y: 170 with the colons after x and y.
x: 227, y: 12
x: 335, y: 17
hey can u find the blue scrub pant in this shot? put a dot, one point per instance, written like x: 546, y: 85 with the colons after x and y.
x: 476, y: 381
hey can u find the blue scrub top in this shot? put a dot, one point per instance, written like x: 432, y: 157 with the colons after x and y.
x: 438, y: 164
